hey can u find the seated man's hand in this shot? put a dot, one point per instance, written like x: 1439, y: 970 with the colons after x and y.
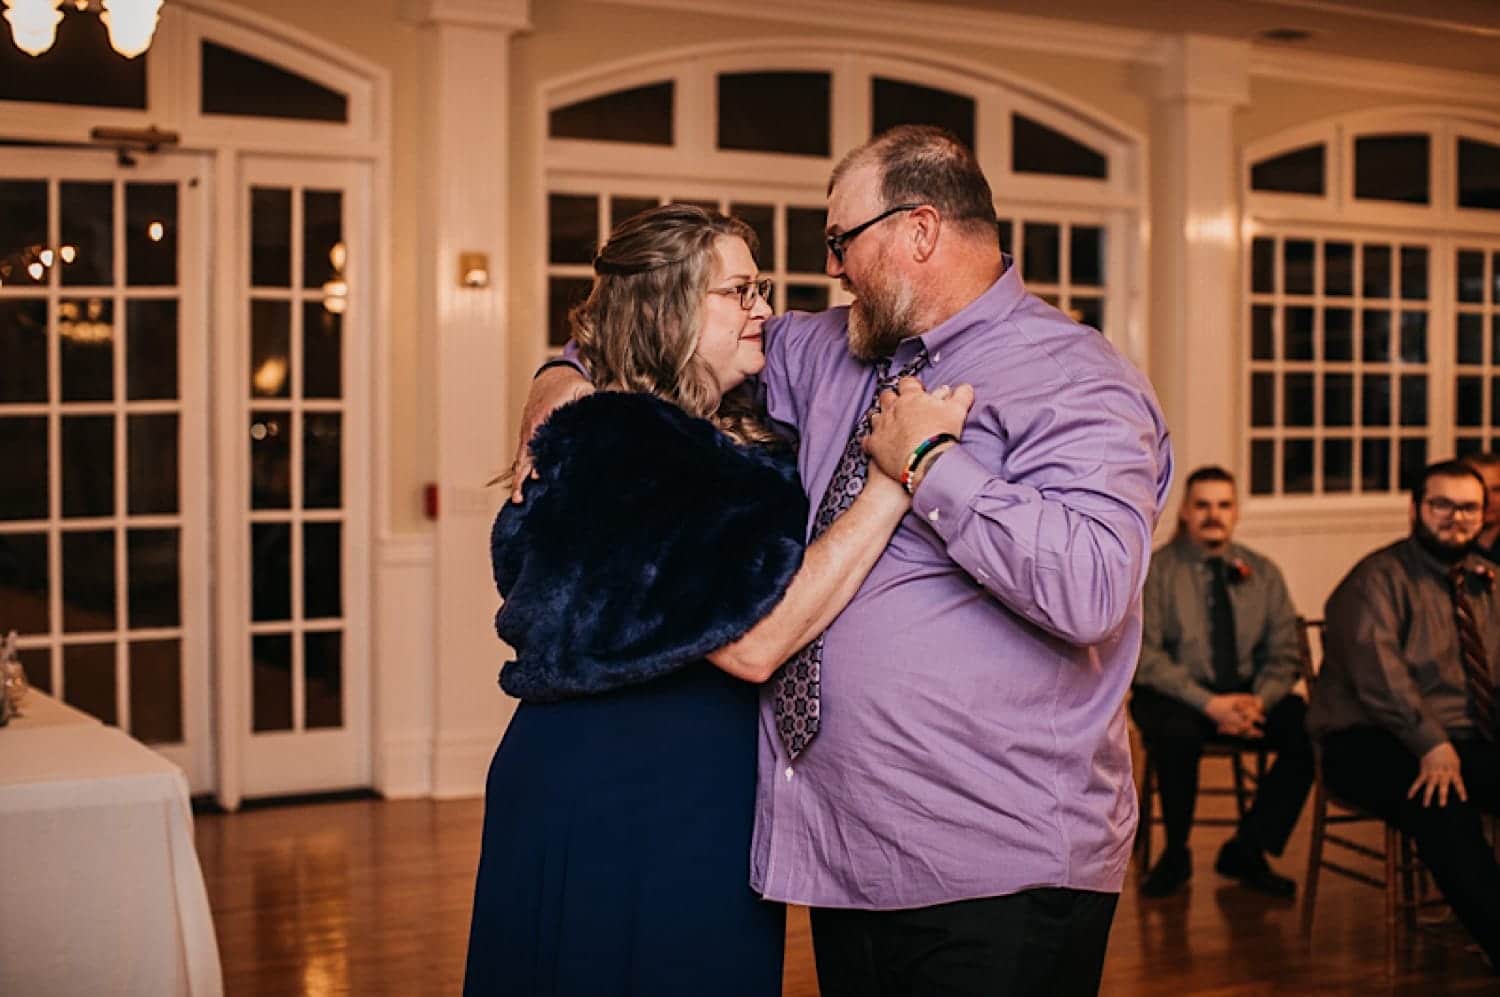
x: 1237, y: 714
x: 550, y: 390
x: 1441, y: 770
x: 911, y: 414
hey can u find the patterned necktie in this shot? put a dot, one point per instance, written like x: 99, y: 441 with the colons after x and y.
x: 1226, y: 657
x: 1471, y: 651
x: 799, y: 685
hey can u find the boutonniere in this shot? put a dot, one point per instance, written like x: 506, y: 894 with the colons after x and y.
x: 1239, y: 571
x: 1485, y: 574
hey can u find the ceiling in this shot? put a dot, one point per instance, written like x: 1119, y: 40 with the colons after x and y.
x: 1449, y: 34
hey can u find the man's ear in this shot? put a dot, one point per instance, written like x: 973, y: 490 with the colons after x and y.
x: 927, y: 226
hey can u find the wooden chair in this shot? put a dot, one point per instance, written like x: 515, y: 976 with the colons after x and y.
x: 1394, y: 868
x: 1243, y: 790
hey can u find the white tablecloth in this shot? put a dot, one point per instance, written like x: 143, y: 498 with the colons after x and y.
x: 100, y: 888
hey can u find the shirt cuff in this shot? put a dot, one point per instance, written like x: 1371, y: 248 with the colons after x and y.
x: 948, y: 490
x: 1424, y: 737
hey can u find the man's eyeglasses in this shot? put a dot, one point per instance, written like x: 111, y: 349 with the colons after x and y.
x: 1445, y: 507
x: 838, y: 243
x: 747, y: 293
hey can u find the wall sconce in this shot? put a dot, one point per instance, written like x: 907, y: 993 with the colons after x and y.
x: 131, y: 23
x: 474, y: 270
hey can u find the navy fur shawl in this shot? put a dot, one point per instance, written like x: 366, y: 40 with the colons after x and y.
x: 649, y: 540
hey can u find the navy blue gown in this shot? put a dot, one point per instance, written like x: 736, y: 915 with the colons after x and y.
x: 619, y: 806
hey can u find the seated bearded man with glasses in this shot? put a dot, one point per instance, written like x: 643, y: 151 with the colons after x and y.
x: 1404, y: 706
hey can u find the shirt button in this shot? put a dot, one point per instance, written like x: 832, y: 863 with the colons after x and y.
x: 788, y: 773
x: 933, y: 515
x: 936, y: 357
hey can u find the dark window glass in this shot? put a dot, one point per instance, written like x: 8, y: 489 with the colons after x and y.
x: 1262, y: 467
x: 323, y: 671
x: 572, y: 228
x: 151, y: 349
x: 640, y: 114
x: 36, y: 662
x: 1414, y: 337
x: 1035, y: 148
x: 1089, y: 312
x: 24, y: 582
x: 271, y: 571
x: 85, y: 331
x: 1297, y: 399
x: 1007, y: 242
x: 151, y: 234
x: 1469, y: 404
x: 1338, y: 334
x: 322, y: 351
x: 761, y: 218
x: 1263, y: 266
x: 1338, y: 269
x: 1414, y: 273
x: 270, y: 349
x: 806, y: 251
x: 322, y: 450
x: 1478, y: 174
x: 1262, y: 332
x: 1042, y: 246
x: 1338, y: 465
x: 1298, y: 323
x: 1470, y: 338
x: 1413, y: 459
x: 1086, y: 255
x: 87, y: 224
x: 1297, y: 172
x: 1376, y: 339
x: 1375, y: 464
x: 156, y: 691
x: 23, y: 226
x: 271, y: 685
x: 1297, y: 275
x: 1470, y: 275
x: 1466, y: 445
x: 562, y: 294
x: 806, y: 297
x: 89, y: 680
x: 88, y: 580
x: 1495, y: 338
x: 1392, y: 168
x: 1262, y: 399
x: 322, y: 571
x: 1495, y: 401
x: 1338, y: 399
x: 23, y: 486
x: 151, y: 464
x: 270, y: 460
x: 893, y: 102
x: 1375, y: 409
x: 80, y: 68
x: 270, y: 237
x: 775, y: 112
x: 322, y: 236
x: 1297, y: 467
x: 1377, y: 264
x: 23, y: 344
x: 155, y: 568
x: 240, y: 84
x: 621, y: 208
x: 88, y: 465
x: 1414, y: 400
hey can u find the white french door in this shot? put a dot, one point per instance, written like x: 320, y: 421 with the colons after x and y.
x: 104, y: 503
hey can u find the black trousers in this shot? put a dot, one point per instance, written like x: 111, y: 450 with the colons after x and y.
x: 1370, y: 768
x: 1175, y: 733
x: 1041, y: 941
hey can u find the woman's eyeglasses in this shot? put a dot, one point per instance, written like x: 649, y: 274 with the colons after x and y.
x: 748, y: 292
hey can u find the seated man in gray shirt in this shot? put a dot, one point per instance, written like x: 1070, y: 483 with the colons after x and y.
x: 1219, y: 656
x: 1404, y: 706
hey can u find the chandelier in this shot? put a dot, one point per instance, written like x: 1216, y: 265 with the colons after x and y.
x: 131, y: 23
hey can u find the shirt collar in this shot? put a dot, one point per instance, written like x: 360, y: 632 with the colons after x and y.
x: 998, y: 300
x: 1472, y: 562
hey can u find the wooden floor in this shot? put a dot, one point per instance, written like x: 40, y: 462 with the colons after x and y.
x: 372, y: 897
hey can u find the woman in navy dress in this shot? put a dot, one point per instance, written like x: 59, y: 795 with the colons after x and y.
x: 653, y: 576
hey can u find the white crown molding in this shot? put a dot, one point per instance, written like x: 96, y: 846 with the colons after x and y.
x: 1350, y: 73
x: 502, y: 15
x: 936, y: 23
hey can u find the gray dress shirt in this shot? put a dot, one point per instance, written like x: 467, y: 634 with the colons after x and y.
x: 1177, y: 644
x: 1390, y: 653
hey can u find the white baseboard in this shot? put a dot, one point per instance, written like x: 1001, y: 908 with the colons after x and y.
x: 461, y: 762
x: 403, y: 765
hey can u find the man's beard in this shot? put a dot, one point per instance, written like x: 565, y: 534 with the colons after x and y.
x: 879, y: 319
x: 1439, y: 548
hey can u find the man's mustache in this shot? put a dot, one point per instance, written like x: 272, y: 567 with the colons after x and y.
x: 1211, y: 522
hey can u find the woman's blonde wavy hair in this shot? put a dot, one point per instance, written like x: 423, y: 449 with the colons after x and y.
x: 638, y: 328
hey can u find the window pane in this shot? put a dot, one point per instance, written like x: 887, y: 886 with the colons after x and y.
x: 1297, y: 172
x: 80, y: 68
x: 151, y: 349
x: 322, y: 571
x: 1298, y: 323
x: 1089, y: 312
x: 806, y: 297
x: 23, y: 224
x: 270, y: 460
x: 572, y: 228
x: 270, y: 349
x: 1262, y: 467
x: 271, y: 686
x: 1466, y: 445
x: 1495, y: 401
x: 1375, y: 409
x: 621, y: 208
x: 151, y: 464
x: 1086, y: 255
x: 87, y: 224
x: 806, y: 251
x: 1263, y: 266
x: 1377, y: 266
x: 1262, y: 332
x: 562, y: 294
x: 1414, y: 400
x: 1338, y: 334
x: 1414, y: 273
x: 240, y: 84
x: 322, y: 351
x: 151, y: 234
x: 1338, y: 465
x: 86, y: 333
x: 1338, y: 269
x: 322, y: 236
x: 154, y: 567
x: 1391, y: 168
x: 23, y: 344
x: 1007, y: 242
x: 36, y: 662
x: 1035, y: 148
x: 1298, y: 399
x: 270, y: 237
x: 89, y: 680
x: 1470, y: 338
x: 156, y: 691
x: 1495, y: 338
x: 1478, y: 174
x: 1413, y: 459
x: 893, y: 102
x: 1414, y: 337
x: 1297, y: 275
x: 775, y: 112
x: 1375, y: 342
x: 1470, y: 275
x: 1262, y: 399
x: 323, y: 653
x: 23, y: 486
x: 641, y: 114
x: 1338, y: 399
x: 762, y: 218
x: 88, y: 580
x: 322, y: 454
x: 24, y: 585
x: 1297, y: 467
x: 1469, y: 403
x: 1042, y: 246
x: 270, y: 571
x: 1375, y: 464
x: 88, y: 465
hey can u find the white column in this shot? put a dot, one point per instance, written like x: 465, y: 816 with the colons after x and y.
x: 1196, y: 295
x: 467, y: 75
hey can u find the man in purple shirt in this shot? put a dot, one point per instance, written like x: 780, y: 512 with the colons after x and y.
x: 961, y: 819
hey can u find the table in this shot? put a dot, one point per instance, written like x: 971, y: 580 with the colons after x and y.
x: 100, y: 888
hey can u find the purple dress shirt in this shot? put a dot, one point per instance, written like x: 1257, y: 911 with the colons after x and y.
x: 973, y: 739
